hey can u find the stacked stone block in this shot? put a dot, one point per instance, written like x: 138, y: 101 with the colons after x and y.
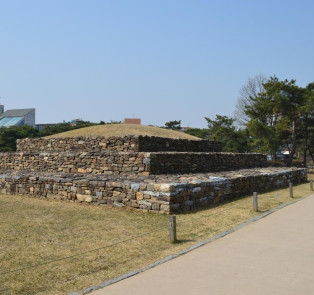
x: 118, y: 144
x: 130, y: 162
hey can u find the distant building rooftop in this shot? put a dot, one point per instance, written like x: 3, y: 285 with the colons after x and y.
x: 183, y: 129
x: 136, y: 121
x: 16, y: 113
x: 42, y: 126
x: 17, y: 117
x: 76, y: 122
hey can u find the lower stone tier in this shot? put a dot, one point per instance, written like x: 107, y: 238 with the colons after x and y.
x: 160, y: 194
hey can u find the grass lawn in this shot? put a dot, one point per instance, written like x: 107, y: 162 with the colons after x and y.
x: 50, y: 247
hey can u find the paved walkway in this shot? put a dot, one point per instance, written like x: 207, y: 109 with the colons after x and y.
x: 274, y: 255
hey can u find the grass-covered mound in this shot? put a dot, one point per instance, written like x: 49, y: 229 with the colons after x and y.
x: 124, y: 130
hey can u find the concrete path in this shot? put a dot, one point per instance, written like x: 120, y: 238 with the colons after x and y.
x: 274, y: 255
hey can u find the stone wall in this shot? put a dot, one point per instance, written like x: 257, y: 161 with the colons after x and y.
x: 120, y: 144
x: 129, y: 162
x: 173, y: 194
x: 159, y: 144
x: 170, y: 163
x: 77, y: 162
x: 78, y: 144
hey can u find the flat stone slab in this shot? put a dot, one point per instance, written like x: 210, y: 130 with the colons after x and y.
x: 163, y: 178
x: 154, y: 193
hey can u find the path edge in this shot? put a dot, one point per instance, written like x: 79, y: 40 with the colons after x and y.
x: 193, y: 247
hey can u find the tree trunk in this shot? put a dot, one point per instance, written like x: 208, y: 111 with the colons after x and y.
x: 306, y: 136
x: 294, y: 143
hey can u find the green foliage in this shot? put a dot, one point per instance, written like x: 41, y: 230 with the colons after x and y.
x: 198, y: 132
x: 281, y: 117
x: 8, y: 136
x: 239, y: 142
x: 223, y: 129
x: 111, y: 122
x: 174, y: 125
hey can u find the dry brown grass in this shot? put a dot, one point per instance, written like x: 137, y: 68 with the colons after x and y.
x: 123, y: 130
x: 95, y: 244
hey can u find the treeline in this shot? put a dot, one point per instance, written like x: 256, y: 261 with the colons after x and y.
x: 223, y: 128
x: 271, y: 116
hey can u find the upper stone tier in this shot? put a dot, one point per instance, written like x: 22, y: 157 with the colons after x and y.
x: 119, y: 144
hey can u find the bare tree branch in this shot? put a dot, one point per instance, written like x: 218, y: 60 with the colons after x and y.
x: 247, y: 93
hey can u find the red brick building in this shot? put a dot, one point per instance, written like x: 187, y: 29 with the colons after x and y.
x: 136, y: 121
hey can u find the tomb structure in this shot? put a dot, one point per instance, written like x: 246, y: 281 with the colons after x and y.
x: 149, y: 173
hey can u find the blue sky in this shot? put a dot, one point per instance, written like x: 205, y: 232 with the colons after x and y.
x: 157, y: 60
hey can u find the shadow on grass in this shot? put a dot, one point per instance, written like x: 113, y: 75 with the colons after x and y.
x: 184, y: 241
x: 5, y: 291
